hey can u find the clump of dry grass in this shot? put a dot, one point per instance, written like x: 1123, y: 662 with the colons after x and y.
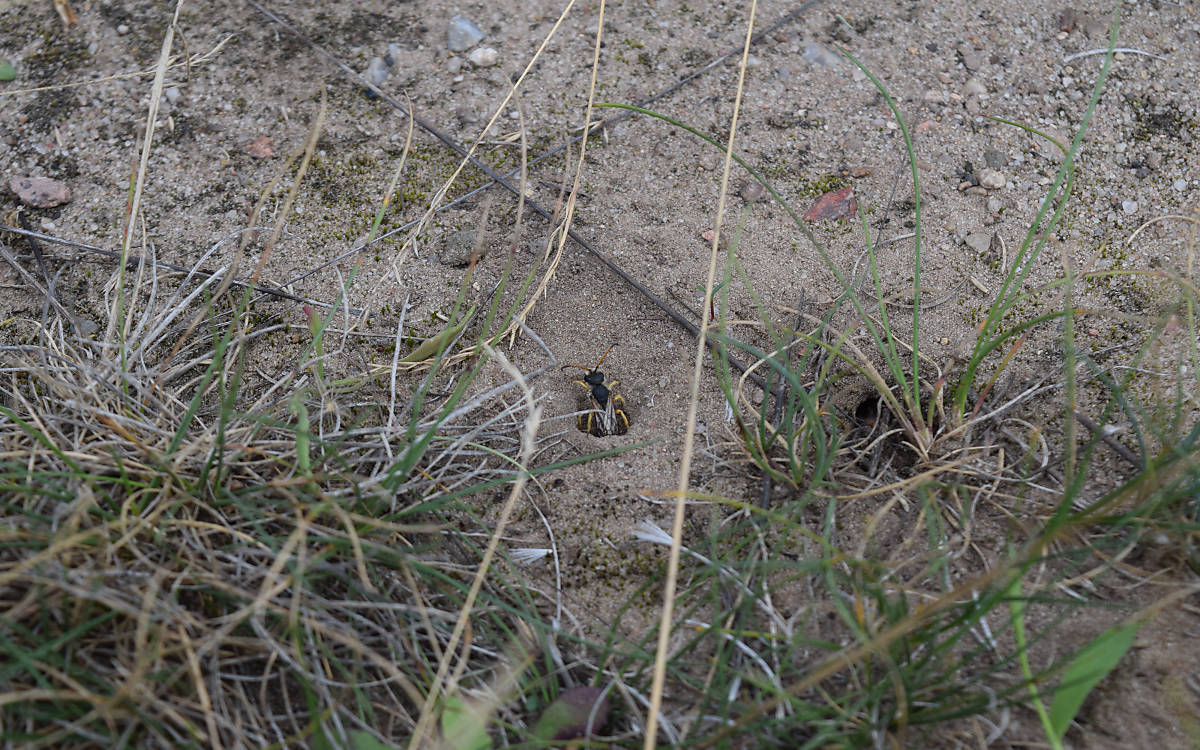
x: 190, y: 558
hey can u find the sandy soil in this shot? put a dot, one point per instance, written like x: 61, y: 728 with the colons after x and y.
x: 650, y: 192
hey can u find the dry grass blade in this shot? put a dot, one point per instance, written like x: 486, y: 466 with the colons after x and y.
x: 665, y: 620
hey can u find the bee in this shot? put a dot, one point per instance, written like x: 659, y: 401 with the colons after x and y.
x: 607, y: 415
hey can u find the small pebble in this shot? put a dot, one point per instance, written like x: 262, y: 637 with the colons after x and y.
x: 459, y: 248
x: 980, y: 242
x: 751, y: 191
x: 974, y: 88
x: 974, y: 61
x: 994, y: 205
x: 122, y: 29
x: 7, y: 71
x: 484, y: 57
x: 1129, y: 207
x: 1180, y: 185
x: 991, y: 179
x: 377, y: 71
x: 454, y: 64
x: 173, y: 95
x: 819, y: 54
x: 40, y: 192
x: 995, y: 159
x: 261, y: 147
x: 837, y: 205
x: 462, y: 34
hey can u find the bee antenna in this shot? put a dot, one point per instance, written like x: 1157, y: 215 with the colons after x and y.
x: 606, y: 351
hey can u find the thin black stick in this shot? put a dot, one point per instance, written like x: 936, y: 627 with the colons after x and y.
x: 504, y: 181
x: 134, y: 260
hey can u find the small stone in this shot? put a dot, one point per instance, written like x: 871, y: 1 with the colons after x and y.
x: 991, y: 179
x: 980, y: 242
x: 974, y: 61
x: 173, y: 95
x: 934, y: 96
x: 860, y: 172
x: 459, y: 248
x: 1096, y: 28
x: 122, y: 29
x: 454, y: 64
x: 994, y: 205
x: 819, y: 54
x: 751, y: 191
x: 40, y: 192
x: 1180, y: 185
x: 974, y: 88
x: 7, y: 71
x: 1129, y: 207
x: 377, y: 71
x: 484, y: 57
x: 839, y: 204
x: 1053, y: 151
x: 261, y: 148
x: 462, y: 34
x: 995, y: 159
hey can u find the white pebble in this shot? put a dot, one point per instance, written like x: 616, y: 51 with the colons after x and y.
x: 462, y: 34
x: 484, y: 57
x: 991, y: 179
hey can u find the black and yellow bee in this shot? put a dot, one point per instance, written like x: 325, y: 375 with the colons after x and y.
x: 607, y: 415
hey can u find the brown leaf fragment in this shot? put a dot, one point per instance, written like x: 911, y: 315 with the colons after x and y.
x: 839, y: 204
x: 40, y: 192
x: 570, y: 717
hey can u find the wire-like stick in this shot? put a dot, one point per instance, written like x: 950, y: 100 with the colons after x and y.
x: 504, y: 181
x: 134, y: 260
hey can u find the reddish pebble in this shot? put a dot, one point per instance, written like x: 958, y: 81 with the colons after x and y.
x: 260, y: 148
x: 840, y: 204
x: 40, y: 192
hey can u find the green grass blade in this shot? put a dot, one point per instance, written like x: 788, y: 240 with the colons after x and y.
x: 1093, y: 662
